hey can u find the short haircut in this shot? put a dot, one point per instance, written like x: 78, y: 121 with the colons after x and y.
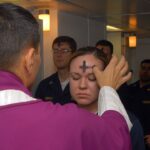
x: 105, y: 43
x: 97, y: 53
x: 147, y: 61
x: 66, y: 39
x: 18, y: 30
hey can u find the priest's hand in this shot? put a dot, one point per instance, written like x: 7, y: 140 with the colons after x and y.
x: 114, y: 75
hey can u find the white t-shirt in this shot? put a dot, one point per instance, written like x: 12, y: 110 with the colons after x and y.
x: 64, y: 84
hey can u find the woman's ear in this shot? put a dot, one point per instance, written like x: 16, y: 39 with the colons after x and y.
x: 29, y: 60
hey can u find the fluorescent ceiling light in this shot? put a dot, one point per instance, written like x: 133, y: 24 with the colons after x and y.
x: 112, y: 28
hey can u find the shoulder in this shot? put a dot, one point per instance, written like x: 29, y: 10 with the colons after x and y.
x: 49, y: 79
x: 132, y: 117
x: 137, y: 127
x: 70, y: 113
x: 134, y: 85
x: 147, y: 87
x: 76, y: 124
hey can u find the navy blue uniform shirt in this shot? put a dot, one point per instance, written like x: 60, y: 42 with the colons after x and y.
x: 50, y: 89
x: 141, y: 104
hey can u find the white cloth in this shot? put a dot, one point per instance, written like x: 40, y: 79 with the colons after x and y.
x: 109, y: 100
x: 13, y: 96
x: 64, y: 84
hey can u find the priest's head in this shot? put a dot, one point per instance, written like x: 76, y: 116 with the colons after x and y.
x: 19, y: 41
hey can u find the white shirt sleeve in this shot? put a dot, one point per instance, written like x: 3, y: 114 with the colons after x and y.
x: 109, y: 100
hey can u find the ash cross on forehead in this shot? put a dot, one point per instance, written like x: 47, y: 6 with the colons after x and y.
x: 84, y: 66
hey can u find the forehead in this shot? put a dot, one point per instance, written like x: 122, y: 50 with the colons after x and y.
x: 86, y: 61
x: 62, y: 45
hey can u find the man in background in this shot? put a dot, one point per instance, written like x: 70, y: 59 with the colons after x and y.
x: 108, y: 49
x: 136, y: 132
x: 140, y: 96
x: 106, y: 46
x: 55, y: 88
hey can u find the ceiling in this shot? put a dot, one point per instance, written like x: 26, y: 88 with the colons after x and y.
x: 129, y: 15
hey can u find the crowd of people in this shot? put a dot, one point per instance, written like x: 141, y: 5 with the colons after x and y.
x: 87, y: 104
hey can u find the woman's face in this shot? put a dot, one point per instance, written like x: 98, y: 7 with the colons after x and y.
x: 83, y: 85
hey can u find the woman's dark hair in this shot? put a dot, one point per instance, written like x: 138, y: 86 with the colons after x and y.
x: 66, y: 39
x: 105, y: 43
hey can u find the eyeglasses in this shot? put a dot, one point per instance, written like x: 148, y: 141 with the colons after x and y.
x: 61, y: 50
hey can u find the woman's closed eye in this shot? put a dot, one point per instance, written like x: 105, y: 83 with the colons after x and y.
x: 75, y: 76
x: 91, y: 77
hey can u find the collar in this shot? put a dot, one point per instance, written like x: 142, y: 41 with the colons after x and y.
x: 12, y: 89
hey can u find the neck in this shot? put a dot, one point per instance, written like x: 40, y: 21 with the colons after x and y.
x: 91, y: 107
x: 63, y: 74
x: 24, y: 76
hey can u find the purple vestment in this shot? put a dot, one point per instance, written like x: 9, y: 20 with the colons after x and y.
x: 38, y: 125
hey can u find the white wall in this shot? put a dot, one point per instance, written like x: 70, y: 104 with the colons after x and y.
x: 85, y: 31
x: 97, y: 31
x: 74, y: 26
x: 116, y: 39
